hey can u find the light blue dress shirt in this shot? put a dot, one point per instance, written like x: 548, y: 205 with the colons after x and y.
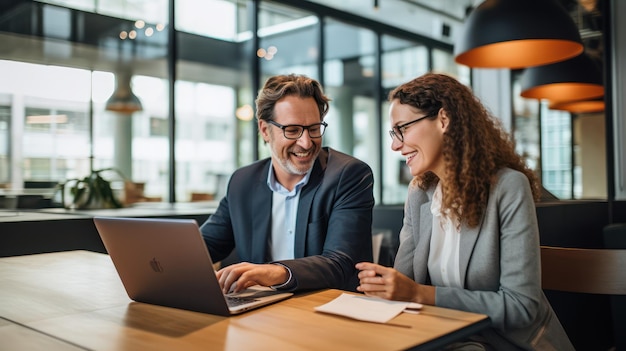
x: 284, y: 213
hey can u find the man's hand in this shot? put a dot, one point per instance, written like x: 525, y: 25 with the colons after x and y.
x: 243, y: 275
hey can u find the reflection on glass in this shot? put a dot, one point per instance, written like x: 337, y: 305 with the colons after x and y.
x: 402, y: 60
x: 149, y: 11
x: 349, y: 68
x: 205, y: 130
x: 288, y: 38
x: 213, y: 83
x: 288, y: 41
x: 210, y: 18
x: 5, y: 132
x: 350, y: 81
x: 443, y: 61
x: 556, y: 152
x: 47, y: 110
x: 526, y: 126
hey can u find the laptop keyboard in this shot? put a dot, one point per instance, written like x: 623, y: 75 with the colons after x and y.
x: 233, y: 301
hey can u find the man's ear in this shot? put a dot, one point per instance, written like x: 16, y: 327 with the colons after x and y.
x: 263, y: 130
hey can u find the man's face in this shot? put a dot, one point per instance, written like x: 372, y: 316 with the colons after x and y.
x: 292, y: 159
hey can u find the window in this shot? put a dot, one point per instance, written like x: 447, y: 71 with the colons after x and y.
x: 5, y: 140
x: 402, y: 60
x: 55, y: 115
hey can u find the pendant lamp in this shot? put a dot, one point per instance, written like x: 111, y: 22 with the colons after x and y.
x: 123, y: 99
x: 579, y: 78
x: 581, y: 106
x: 517, y: 34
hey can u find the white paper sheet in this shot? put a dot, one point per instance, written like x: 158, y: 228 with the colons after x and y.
x: 363, y: 308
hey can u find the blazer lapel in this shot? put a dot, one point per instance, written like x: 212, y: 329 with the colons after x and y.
x: 426, y: 228
x: 261, y: 221
x: 307, y: 195
x: 469, y: 236
x: 422, y: 249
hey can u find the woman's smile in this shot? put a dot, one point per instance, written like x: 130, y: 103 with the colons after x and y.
x: 410, y: 156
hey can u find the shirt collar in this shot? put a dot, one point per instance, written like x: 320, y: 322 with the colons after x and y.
x: 275, y: 186
x: 435, y: 205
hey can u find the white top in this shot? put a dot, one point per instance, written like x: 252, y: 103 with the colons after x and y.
x: 443, y: 260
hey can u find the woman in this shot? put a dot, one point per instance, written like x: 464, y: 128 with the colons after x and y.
x: 470, y: 239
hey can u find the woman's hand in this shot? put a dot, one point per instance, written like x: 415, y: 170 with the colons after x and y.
x: 388, y: 283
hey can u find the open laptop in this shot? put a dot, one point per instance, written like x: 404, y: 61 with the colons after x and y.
x: 165, y: 262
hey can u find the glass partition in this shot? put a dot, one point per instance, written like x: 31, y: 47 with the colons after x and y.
x: 48, y: 122
x: 212, y: 94
x: 350, y: 81
x: 556, y: 152
x: 402, y: 60
x: 5, y: 138
x: 288, y: 43
x: 64, y: 62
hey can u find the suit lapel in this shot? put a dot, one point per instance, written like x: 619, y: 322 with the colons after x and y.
x: 307, y: 195
x: 469, y: 236
x: 422, y: 247
x: 426, y: 229
x: 261, y: 220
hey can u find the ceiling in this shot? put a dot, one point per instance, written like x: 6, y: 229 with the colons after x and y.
x: 424, y: 17
x: 427, y: 17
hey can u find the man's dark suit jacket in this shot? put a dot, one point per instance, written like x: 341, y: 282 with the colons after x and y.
x: 333, y: 228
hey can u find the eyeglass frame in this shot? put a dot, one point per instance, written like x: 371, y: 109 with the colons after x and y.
x: 302, y: 129
x: 402, y: 128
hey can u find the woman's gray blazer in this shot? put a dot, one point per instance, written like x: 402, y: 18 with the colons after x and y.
x: 499, y: 263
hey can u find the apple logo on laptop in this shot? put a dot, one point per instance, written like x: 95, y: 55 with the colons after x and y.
x: 156, y: 265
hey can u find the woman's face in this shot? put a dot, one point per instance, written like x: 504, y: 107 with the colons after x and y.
x: 423, y: 140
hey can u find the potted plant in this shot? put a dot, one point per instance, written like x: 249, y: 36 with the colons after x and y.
x: 93, y: 191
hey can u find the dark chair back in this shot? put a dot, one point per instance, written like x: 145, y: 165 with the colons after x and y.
x: 615, y: 238
x: 588, y: 271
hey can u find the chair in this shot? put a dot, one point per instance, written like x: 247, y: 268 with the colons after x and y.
x: 615, y: 238
x: 587, y: 271
x: 591, y: 271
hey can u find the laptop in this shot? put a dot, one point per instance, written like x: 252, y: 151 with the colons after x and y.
x: 165, y: 262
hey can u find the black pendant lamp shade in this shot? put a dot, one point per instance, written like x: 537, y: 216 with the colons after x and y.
x: 579, y: 78
x: 581, y: 106
x: 517, y: 34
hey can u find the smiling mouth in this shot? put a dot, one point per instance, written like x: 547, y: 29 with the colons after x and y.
x: 410, y: 157
x: 301, y: 154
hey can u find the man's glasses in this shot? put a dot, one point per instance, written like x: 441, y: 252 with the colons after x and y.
x: 398, y: 131
x: 294, y: 131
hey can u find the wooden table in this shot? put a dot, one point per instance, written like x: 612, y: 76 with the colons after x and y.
x: 74, y: 300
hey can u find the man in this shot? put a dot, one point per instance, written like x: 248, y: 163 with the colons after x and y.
x: 300, y: 219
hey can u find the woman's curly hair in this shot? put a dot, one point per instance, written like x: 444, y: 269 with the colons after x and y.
x: 475, y: 146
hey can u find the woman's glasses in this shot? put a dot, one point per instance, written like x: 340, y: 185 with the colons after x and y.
x: 398, y: 131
